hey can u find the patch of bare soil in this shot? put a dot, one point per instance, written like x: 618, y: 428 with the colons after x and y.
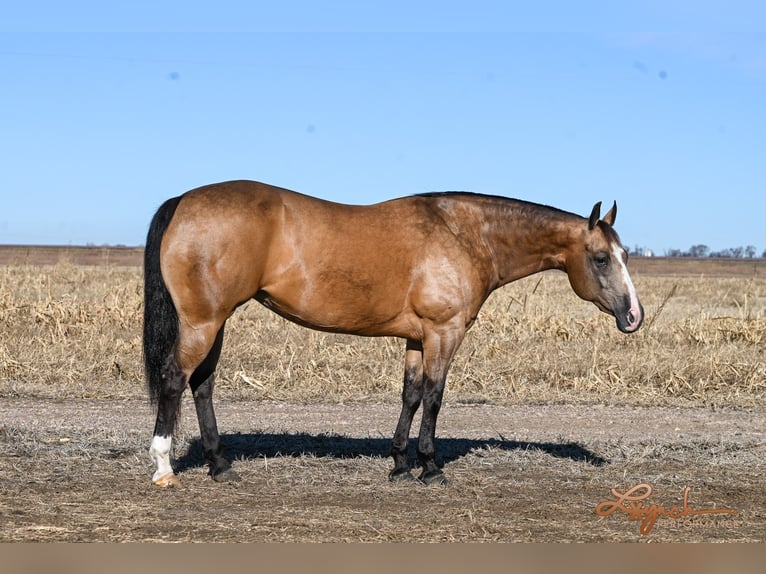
x: 78, y: 470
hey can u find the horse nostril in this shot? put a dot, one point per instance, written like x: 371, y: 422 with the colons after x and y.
x: 631, y: 317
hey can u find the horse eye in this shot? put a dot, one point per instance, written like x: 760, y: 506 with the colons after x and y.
x: 601, y: 260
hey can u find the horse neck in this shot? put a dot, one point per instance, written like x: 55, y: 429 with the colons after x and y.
x: 525, y: 238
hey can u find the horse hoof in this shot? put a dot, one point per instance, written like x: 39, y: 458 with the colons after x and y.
x: 401, y: 476
x: 227, y: 475
x: 169, y: 480
x: 434, y: 477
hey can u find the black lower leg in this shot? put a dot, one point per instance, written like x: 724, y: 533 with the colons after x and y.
x: 211, y: 441
x: 411, y: 397
x: 173, y: 384
x: 202, y: 384
x: 432, y: 400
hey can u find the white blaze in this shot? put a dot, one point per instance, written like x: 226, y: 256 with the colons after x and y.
x: 635, y: 307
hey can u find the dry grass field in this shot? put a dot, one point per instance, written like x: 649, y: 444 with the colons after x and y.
x: 548, y: 407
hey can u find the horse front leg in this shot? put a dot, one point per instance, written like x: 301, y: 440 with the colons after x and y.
x: 432, y: 401
x: 439, y: 349
x: 412, y: 394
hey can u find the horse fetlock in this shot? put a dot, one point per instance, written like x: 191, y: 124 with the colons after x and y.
x: 159, y: 451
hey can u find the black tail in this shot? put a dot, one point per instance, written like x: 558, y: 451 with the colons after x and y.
x: 160, y: 316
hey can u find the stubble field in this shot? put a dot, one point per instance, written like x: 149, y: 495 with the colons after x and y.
x: 548, y: 408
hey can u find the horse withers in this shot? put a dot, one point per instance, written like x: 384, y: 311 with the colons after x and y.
x: 418, y: 268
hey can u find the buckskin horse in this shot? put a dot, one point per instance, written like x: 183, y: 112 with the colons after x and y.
x: 418, y: 268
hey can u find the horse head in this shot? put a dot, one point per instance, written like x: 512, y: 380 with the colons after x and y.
x: 597, y: 268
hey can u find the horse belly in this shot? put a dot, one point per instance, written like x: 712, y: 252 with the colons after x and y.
x: 354, y: 307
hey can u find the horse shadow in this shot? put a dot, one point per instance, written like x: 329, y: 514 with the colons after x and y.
x: 247, y: 446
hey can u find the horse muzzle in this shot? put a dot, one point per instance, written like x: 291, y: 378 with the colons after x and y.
x: 628, y: 321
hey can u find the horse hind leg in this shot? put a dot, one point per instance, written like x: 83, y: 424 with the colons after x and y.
x: 169, y: 402
x: 191, y: 350
x: 202, y: 383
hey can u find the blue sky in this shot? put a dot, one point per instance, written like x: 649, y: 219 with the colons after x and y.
x: 107, y: 111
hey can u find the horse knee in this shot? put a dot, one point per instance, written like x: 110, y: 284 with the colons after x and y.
x: 412, y: 392
x: 432, y: 398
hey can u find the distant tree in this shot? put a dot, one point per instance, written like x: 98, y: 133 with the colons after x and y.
x: 702, y: 250
x: 699, y: 251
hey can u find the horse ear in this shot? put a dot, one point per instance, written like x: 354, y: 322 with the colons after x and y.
x: 611, y: 215
x: 594, y: 215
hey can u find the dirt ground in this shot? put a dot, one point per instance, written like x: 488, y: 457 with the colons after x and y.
x: 78, y: 470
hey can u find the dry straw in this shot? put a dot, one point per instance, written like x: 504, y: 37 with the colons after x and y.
x: 74, y: 331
